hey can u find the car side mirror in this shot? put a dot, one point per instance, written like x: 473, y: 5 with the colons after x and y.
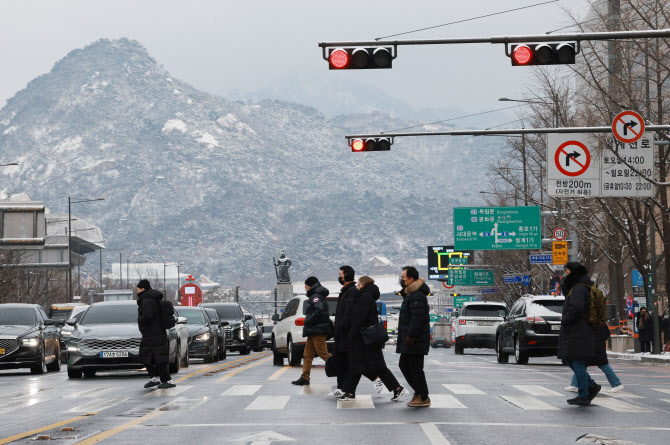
x: 275, y: 317
x: 181, y: 320
x: 215, y: 323
x: 71, y: 322
x: 247, y: 317
x: 49, y: 322
x: 224, y: 323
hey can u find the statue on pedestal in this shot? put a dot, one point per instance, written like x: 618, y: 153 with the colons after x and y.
x: 281, y: 268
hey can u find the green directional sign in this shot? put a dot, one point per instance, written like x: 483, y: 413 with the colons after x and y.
x: 471, y: 277
x: 458, y: 301
x: 458, y: 261
x: 497, y: 228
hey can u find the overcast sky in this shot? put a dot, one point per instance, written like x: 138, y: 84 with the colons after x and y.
x: 222, y: 45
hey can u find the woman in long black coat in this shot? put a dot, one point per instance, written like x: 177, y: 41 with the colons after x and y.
x: 154, y: 348
x: 367, y: 360
x: 645, y: 330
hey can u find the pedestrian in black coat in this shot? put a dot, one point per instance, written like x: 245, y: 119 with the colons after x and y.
x: 645, y: 329
x: 578, y: 344
x: 414, y: 334
x: 154, y: 347
x: 365, y: 359
x: 342, y: 346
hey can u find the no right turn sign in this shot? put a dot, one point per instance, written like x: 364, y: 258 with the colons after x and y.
x: 573, y: 167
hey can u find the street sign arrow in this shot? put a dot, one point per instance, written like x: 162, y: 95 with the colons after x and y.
x: 264, y: 438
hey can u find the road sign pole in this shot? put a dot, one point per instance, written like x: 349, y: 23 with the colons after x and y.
x: 652, y: 299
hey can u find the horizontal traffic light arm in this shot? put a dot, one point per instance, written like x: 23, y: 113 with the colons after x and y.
x: 503, y: 132
x: 570, y: 37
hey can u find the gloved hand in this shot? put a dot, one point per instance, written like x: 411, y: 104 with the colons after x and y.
x: 409, y: 342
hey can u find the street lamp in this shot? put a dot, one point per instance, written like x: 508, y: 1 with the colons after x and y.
x: 7, y: 165
x: 69, y: 239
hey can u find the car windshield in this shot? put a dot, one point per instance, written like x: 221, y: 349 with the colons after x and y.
x: 440, y: 339
x: 481, y: 310
x: 267, y: 329
x: 212, y: 314
x: 110, y: 314
x: 60, y: 314
x: 193, y: 316
x: 548, y: 307
x: 228, y: 312
x: 77, y: 313
x: 332, y: 307
x: 23, y: 316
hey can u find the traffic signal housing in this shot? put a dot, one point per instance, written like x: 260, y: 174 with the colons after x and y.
x: 360, y: 58
x: 371, y: 144
x: 543, y: 54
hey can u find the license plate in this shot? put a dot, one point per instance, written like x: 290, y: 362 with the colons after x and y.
x: 555, y: 327
x: 113, y: 354
x: 484, y: 323
x: 2, y: 351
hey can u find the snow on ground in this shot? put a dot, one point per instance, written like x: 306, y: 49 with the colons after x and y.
x: 10, y: 130
x: 174, y: 124
x: 208, y: 139
x: 69, y: 144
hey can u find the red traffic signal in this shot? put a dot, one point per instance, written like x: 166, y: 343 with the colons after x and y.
x: 370, y: 144
x: 360, y: 58
x: 543, y: 54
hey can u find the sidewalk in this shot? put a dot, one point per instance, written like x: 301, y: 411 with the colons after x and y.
x: 661, y: 360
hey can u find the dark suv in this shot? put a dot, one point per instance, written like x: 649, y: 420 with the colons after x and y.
x: 255, y: 332
x: 237, y: 331
x: 531, y: 329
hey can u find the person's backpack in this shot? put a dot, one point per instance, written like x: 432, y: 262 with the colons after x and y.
x: 167, y: 315
x: 597, y: 313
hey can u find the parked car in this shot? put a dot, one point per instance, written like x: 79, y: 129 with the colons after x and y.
x: 267, y: 336
x: 107, y: 338
x: 255, y: 332
x: 439, y: 342
x: 66, y: 329
x: 287, y: 339
x: 203, y: 333
x: 531, y: 329
x: 237, y: 331
x: 28, y: 339
x: 221, y: 333
x: 477, y: 324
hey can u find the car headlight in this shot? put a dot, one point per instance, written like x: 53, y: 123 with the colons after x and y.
x: 253, y: 334
x: 240, y: 334
x: 72, y: 348
x: 65, y: 333
x: 202, y: 337
x: 30, y: 342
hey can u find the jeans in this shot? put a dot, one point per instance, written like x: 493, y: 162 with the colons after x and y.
x: 609, y: 373
x: 316, y: 344
x: 411, y: 366
x: 583, y: 379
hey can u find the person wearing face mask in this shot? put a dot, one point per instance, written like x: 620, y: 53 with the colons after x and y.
x: 342, y: 346
x: 414, y: 334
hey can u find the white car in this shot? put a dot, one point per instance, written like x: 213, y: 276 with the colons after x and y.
x: 476, y: 325
x: 287, y: 339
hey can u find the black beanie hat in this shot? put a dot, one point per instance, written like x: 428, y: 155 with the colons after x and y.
x: 144, y: 284
x: 311, y: 281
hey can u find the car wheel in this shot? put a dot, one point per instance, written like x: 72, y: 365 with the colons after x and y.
x: 74, y: 373
x: 187, y: 358
x: 89, y: 373
x: 39, y: 367
x: 277, y: 358
x: 215, y: 353
x: 174, y: 367
x: 458, y: 348
x: 520, y: 356
x: 500, y: 355
x: 294, y: 358
x: 222, y: 352
x: 55, y: 366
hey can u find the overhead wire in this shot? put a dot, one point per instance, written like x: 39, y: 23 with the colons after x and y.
x: 450, y: 119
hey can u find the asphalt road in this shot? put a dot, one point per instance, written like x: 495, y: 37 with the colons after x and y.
x: 248, y: 400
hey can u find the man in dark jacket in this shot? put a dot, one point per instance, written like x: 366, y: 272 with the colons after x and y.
x: 154, y: 348
x: 578, y: 345
x: 343, y: 346
x: 317, y: 327
x: 414, y: 334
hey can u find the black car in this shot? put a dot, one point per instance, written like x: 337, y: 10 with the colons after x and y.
x: 237, y: 331
x: 267, y: 336
x: 255, y: 332
x: 214, y: 318
x: 203, y: 333
x: 531, y: 329
x: 107, y: 338
x: 439, y: 342
x: 28, y: 339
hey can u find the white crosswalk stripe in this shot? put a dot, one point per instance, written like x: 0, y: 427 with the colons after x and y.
x: 242, y: 390
x: 360, y: 402
x: 316, y: 389
x: 183, y: 404
x: 462, y: 389
x: 92, y: 392
x: 665, y: 390
x: 445, y: 401
x: 97, y: 405
x: 18, y: 403
x: 537, y: 390
x: 529, y: 403
x: 168, y: 392
x: 618, y: 405
x: 268, y: 402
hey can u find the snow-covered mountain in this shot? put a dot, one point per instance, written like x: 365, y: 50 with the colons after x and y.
x: 224, y: 185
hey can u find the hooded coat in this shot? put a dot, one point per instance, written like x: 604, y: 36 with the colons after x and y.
x: 317, y: 318
x: 645, y: 328
x: 364, y: 359
x: 154, y: 344
x: 414, y: 319
x: 343, y: 317
x: 577, y: 339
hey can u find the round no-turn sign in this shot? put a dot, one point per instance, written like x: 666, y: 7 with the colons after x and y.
x: 572, y: 158
x: 628, y: 126
x: 560, y: 234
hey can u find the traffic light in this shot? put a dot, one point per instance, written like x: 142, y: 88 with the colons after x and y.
x: 360, y: 58
x: 543, y: 54
x: 371, y: 144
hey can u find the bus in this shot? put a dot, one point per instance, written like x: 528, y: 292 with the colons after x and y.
x: 60, y: 312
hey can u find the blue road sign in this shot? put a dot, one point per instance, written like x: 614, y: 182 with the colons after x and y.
x: 526, y: 280
x: 638, y: 279
x: 488, y: 290
x: 542, y: 259
x: 513, y: 279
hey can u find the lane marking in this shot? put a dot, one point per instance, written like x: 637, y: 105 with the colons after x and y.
x: 31, y: 392
x: 664, y: 390
x: 183, y: 404
x: 12, y: 405
x: 119, y: 429
x: 445, y: 401
x: 529, y: 403
x: 209, y: 368
x: 268, y: 403
x: 93, y: 392
x: 167, y: 391
x: 619, y: 405
x: 537, y: 390
x: 316, y: 389
x: 242, y: 390
x: 237, y: 371
x: 360, y: 402
x: 97, y: 405
x: 462, y: 388
x: 278, y: 374
x: 44, y: 428
x: 433, y: 434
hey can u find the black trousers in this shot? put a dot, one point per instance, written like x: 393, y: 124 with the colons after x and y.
x: 385, y: 374
x: 342, y: 358
x: 411, y: 366
x: 161, y: 371
x: 645, y: 346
